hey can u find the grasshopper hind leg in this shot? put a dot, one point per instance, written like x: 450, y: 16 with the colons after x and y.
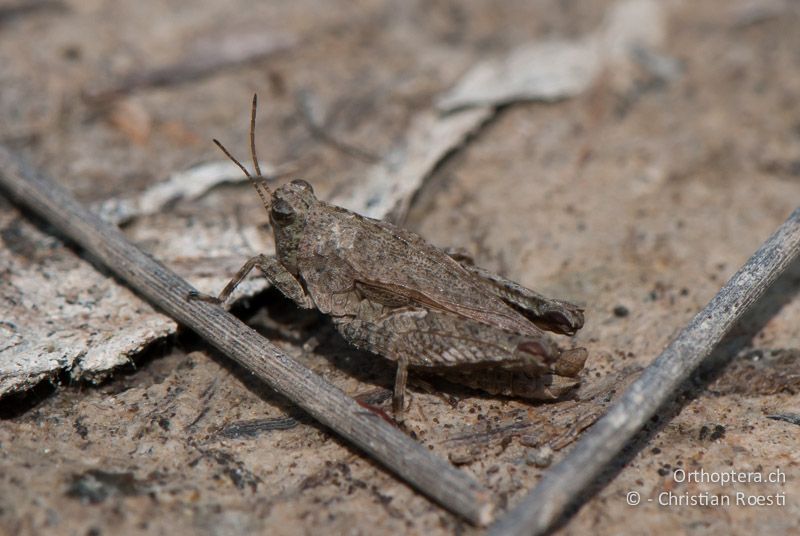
x: 553, y: 315
x: 466, y: 351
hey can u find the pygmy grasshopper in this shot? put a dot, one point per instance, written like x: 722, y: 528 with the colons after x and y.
x: 392, y: 293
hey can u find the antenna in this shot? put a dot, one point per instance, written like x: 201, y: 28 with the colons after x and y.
x: 261, y: 189
x: 253, y: 135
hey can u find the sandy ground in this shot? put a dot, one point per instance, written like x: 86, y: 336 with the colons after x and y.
x: 637, y: 200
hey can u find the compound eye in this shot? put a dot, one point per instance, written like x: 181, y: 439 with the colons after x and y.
x: 282, y: 212
x: 303, y: 184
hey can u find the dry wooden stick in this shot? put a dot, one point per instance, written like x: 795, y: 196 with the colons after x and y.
x: 432, y: 476
x: 560, y: 486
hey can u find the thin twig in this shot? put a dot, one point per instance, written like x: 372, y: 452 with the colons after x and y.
x: 12, y: 12
x: 201, y: 62
x: 254, y: 427
x: 791, y: 418
x: 560, y: 486
x: 323, y: 136
x: 432, y: 476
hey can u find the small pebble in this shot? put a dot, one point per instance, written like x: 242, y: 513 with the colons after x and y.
x: 621, y: 311
x: 541, y: 457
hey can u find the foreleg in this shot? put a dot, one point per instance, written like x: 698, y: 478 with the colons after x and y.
x: 274, y: 272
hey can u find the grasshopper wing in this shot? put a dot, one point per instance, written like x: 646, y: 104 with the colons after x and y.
x: 396, y: 261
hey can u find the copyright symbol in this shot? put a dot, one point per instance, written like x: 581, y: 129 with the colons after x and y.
x: 633, y: 498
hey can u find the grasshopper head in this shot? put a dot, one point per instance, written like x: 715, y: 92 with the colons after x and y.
x: 288, y: 210
x: 287, y: 206
x: 290, y: 204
